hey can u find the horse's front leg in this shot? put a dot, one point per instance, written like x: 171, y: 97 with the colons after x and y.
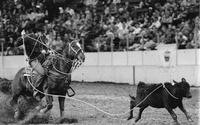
x: 61, y: 105
x: 49, y: 101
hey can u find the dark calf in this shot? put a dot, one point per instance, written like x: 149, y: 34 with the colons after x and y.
x: 167, y: 96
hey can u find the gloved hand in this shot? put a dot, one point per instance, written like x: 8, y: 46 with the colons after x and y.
x: 23, y: 33
x: 43, y: 51
x: 51, y: 52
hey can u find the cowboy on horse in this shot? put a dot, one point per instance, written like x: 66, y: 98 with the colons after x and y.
x: 59, y: 67
x: 36, y: 51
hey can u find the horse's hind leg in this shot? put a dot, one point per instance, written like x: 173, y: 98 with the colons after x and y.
x: 15, y: 97
x: 61, y: 105
x: 14, y: 103
x: 132, y: 105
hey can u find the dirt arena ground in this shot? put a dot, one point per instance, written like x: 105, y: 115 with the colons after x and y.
x: 114, y: 99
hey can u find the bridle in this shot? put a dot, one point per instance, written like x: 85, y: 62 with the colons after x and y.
x: 75, y: 63
x: 73, y: 49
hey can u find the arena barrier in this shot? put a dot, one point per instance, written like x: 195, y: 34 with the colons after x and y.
x: 126, y: 67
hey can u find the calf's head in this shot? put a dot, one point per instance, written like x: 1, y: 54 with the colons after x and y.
x: 184, y: 87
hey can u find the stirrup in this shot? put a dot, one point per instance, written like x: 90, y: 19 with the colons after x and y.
x: 73, y: 92
x: 26, y: 74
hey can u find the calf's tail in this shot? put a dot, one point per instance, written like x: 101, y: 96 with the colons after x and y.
x: 132, y: 102
x: 132, y: 105
x: 132, y: 97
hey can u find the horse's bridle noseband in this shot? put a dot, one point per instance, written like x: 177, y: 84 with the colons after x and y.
x: 74, y: 50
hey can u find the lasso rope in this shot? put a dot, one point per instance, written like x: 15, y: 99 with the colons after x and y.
x: 91, y: 105
x: 169, y: 92
x: 56, y: 53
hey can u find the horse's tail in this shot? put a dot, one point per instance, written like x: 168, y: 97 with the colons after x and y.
x: 5, y: 85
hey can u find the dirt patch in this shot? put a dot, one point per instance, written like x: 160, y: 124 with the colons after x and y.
x: 112, y: 98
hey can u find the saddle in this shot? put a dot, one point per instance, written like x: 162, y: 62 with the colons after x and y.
x: 32, y: 74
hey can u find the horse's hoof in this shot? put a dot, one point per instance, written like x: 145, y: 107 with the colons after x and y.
x: 190, y: 120
x: 44, y: 110
x: 175, y: 123
x: 129, y: 118
x: 136, y: 120
x: 11, y: 103
x: 17, y: 115
x: 38, y: 98
x: 38, y: 108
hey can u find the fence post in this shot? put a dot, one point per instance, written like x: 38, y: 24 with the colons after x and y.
x: 98, y: 50
x: 2, y: 54
x: 2, y: 48
x: 83, y: 43
x: 127, y: 46
x: 111, y: 48
x: 176, y: 50
x: 196, y: 40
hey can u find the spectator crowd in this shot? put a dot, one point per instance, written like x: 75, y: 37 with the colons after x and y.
x: 103, y: 25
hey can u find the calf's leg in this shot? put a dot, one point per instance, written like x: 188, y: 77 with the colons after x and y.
x: 132, y: 105
x: 173, y: 115
x: 185, y: 112
x: 14, y: 99
x: 131, y: 110
x: 140, y: 113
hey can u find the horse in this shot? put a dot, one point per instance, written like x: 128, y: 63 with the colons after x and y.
x: 57, y: 81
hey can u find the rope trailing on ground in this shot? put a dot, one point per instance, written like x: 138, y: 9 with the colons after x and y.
x: 91, y: 105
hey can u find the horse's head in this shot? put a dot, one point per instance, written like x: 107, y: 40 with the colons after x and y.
x: 73, y: 51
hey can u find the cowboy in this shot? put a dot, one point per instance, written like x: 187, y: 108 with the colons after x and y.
x: 36, y: 51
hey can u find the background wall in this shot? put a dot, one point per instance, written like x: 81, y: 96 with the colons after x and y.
x: 126, y: 67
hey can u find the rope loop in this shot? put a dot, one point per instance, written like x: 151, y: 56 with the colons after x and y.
x: 169, y: 91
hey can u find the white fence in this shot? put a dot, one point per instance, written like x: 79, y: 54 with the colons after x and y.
x: 125, y: 67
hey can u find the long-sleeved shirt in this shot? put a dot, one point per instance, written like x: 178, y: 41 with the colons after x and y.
x: 33, y: 45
